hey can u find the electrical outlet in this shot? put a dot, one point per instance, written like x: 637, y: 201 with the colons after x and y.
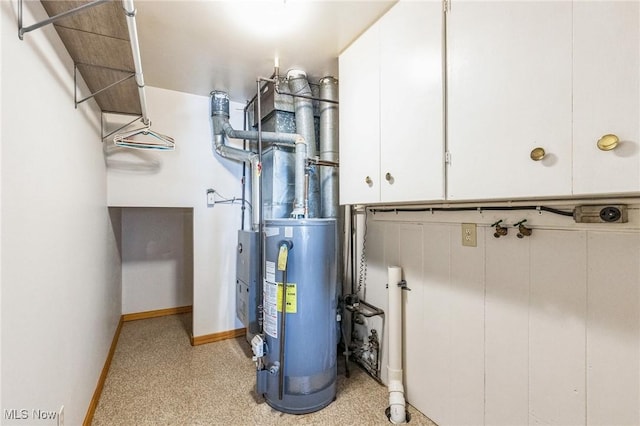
x: 61, y: 416
x: 211, y: 197
x: 613, y: 213
x: 469, y: 237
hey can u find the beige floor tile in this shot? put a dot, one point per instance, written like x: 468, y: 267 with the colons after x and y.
x: 158, y: 378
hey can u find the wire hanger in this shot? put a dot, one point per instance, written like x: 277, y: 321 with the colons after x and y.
x: 144, y: 138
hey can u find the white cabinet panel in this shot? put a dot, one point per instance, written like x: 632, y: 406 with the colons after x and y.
x: 359, y: 120
x: 521, y: 75
x: 411, y: 106
x: 433, y: 395
x: 606, y: 99
x: 506, y: 331
x: 613, y: 329
x: 391, y: 109
x: 509, y: 91
x: 466, y: 400
x: 557, y: 323
x: 540, y: 330
x: 444, y: 323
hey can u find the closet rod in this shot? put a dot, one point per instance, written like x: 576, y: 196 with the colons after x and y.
x: 22, y: 30
x: 130, y: 13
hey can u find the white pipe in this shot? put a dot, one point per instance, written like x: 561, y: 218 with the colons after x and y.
x: 130, y: 13
x: 396, y: 389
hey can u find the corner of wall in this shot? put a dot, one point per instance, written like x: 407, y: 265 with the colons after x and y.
x: 59, y: 257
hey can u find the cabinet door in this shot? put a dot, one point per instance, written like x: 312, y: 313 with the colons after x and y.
x: 606, y: 64
x: 359, y: 120
x: 411, y: 108
x: 509, y: 91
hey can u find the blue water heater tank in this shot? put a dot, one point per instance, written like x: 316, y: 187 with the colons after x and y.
x: 310, y: 333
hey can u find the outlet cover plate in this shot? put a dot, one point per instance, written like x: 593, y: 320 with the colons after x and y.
x: 601, y: 213
x: 469, y: 235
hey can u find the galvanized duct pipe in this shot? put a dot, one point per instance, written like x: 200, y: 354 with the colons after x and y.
x: 298, y: 85
x: 329, y: 147
x: 221, y: 129
x: 329, y: 175
x: 300, y: 203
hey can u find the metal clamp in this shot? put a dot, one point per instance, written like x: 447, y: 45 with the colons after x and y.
x: 403, y: 285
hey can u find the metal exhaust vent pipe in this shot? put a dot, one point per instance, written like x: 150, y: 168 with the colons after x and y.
x: 329, y: 147
x: 221, y: 129
x: 298, y: 85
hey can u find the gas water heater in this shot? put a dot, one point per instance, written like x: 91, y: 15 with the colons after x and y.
x: 300, y: 315
x: 287, y: 267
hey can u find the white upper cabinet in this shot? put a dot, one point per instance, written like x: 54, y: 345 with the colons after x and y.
x: 509, y: 92
x: 531, y: 87
x: 391, y: 128
x: 606, y: 97
x: 359, y: 120
x: 411, y: 113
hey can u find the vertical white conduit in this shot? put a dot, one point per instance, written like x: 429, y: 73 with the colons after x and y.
x: 396, y: 389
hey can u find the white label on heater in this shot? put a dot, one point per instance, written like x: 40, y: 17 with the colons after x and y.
x: 288, y: 232
x: 270, y: 267
x: 270, y: 294
x: 270, y: 232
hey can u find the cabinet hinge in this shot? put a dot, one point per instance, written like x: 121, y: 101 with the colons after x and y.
x: 447, y: 158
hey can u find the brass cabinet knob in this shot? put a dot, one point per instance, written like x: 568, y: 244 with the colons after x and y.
x: 368, y: 181
x: 537, y: 154
x: 608, y: 142
x: 388, y: 177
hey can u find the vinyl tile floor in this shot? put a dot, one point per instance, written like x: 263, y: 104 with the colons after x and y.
x: 158, y: 378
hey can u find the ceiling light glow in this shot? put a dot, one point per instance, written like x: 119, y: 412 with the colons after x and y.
x: 268, y: 18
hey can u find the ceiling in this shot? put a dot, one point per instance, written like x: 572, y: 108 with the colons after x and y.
x: 198, y: 46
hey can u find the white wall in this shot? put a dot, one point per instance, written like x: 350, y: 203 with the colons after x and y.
x: 180, y: 179
x: 1, y: 84
x: 60, y: 261
x: 157, y: 258
x: 539, y: 330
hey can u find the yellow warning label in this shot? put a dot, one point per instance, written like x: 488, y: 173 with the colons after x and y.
x: 282, y: 258
x: 292, y: 298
